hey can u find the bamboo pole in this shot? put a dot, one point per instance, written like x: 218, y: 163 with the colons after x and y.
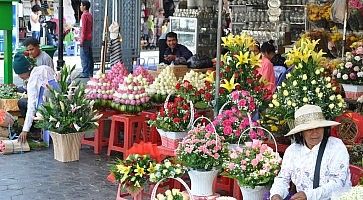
x: 104, y: 39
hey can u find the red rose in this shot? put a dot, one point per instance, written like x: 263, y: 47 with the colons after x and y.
x: 208, y: 96
x: 190, y: 87
x: 201, y: 91
x: 185, y: 107
x: 177, y: 86
x: 176, y: 120
x: 249, y: 81
x: 162, y: 113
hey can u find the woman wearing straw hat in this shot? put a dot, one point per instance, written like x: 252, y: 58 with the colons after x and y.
x: 316, y: 163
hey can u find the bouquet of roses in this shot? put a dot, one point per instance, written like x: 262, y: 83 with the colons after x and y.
x: 166, y: 170
x: 231, y: 124
x: 351, y: 70
x: 255, y: 164
x: 174, y: 194
x: 201, y: 97
x: 175, y: 117
x: 133, y: 172
x: 201, y: 150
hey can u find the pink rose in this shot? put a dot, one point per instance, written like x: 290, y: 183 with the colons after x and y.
x: 259, y: 157
x: 359, y: 50
x: 242, y: 103
x: 243, y: 167
x: 231, y: 166
x: 233, y: 155
x: 244, y: 162
x: 254, y: 162
x: 256, y: 144
x: 227, y: 130
x: 263, y: 148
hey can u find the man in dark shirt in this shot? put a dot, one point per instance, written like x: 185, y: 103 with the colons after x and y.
x: 177, y: 53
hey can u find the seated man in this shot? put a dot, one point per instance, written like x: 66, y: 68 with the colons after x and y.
x: 313, y: 147
x: 38, y: 78
x: 33, y: 49
x: 177, y: 53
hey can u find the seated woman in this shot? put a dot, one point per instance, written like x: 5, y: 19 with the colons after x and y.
x: 314, y: 179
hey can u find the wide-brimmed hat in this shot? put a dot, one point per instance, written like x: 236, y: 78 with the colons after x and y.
x: 310, y: 117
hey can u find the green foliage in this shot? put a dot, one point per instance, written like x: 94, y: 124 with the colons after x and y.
x: 67, y: 110
x: 8, y: 91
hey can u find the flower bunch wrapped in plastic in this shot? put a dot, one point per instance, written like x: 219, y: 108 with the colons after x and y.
x: 306, y: 84
x: 167, y: 169
x: 174, y: 194
x: 133, y: 173
x: 201, y: 150
x: 255, y: 164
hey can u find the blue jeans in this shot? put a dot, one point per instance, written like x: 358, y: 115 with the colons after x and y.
x: 87, y: 59
x: 36, y: 35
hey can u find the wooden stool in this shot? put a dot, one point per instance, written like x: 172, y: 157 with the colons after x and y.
x: 150, y: 134
x: 99, y: 141
x: 129, y: 132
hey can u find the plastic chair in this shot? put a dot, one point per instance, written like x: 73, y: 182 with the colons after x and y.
x: 356, y: 174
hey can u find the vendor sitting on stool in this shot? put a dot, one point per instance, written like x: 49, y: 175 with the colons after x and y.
x: 38, y: 78
x: 177, y: 53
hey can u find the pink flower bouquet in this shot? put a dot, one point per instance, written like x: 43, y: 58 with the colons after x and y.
x: 256, y: 164
x: 201, y: 150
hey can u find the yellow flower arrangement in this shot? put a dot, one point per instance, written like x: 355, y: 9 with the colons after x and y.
x: 306, y: 84
x: 239, y: 69
x: 133, y: 172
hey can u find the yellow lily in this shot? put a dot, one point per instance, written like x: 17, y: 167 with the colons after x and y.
x: 229, y: 85
x: 151, y: 168
x: 123, y: 169
x: 243, y: 58
x: 139, y: 171
x: 210, y: 76
x: 255, y: 60
x: 318, y: 57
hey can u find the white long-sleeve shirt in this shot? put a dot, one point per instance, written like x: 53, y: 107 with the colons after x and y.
x: 298, y: 166
x: 39, y: 77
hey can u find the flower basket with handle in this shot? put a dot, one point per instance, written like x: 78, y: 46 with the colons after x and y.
x: 171, y: 139
x: 242, y: 162
x: 155, y: 189
x: 203, y: 172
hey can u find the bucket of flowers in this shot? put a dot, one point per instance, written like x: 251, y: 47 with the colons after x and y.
x: 234, y: 121
x: 173, y: 121
x: 350, y: 73
x: 254, y: 166
x: 133, y: 174
x: 202, y: 152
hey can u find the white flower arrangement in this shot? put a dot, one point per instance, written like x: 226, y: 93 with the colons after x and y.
x: 196, y: 79
x: 164, y: 84
x: 355, y: 193
x: 174, y: 194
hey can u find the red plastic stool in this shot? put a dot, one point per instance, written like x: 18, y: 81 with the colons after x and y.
x: 224, y: 184
x: 150, y: 134
x: 129, y: 122
x: 99, y: 141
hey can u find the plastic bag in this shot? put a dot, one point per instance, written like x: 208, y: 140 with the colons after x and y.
x: 6, y: 119
x: 199, y: 62
x: 338, y: 11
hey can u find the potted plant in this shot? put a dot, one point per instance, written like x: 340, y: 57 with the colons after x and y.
x: 254, y: 167
x: 9, y: 97
x: 173, y: 121
x: 133, y: 174
x: 305, y: 84
x: 350, y: 73
x: 202, y: 152
x: 67, y: 114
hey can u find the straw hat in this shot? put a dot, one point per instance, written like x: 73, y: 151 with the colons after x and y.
x: 310, y: 117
